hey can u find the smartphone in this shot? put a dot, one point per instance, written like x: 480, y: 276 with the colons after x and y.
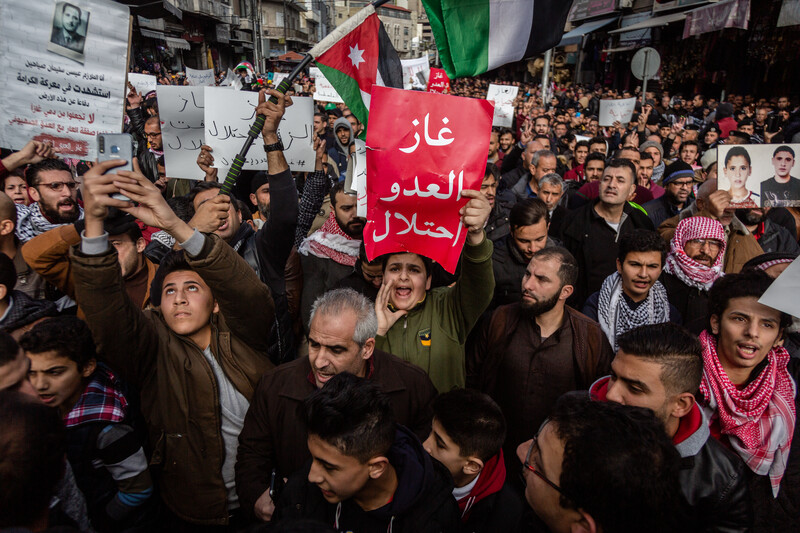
x: 116, y: 146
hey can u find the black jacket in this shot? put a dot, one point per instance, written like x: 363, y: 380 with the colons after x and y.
x: 595, y: 246
x: 148, y: 163
x: 423, y: 501
x: 691, y: 303
x: 497, y: 225
x: 509, y: 268
x: 781, y: 514
x: 660, y: 210
x: 501, y: 511
x: 776, y: 238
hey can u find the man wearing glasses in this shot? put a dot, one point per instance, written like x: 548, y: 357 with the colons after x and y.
x: 693, y: 265
x: 677, y: 182
x: 54, y: 192
x: 151, y: 151
x: 597, y: 466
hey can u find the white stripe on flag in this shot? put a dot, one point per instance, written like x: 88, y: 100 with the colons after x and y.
x: 510, y: 23
x: 366, y: 97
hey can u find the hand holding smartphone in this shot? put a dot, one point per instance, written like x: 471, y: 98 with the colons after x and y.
x: 117, y: 146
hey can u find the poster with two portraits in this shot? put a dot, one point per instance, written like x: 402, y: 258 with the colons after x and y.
x: 759, y: 175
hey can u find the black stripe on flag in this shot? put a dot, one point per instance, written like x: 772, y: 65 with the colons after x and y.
x: 388, y: 61
x: 549, y: 19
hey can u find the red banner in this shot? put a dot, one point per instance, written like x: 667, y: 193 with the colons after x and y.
x: 423, y: 149
x: 438, y: 82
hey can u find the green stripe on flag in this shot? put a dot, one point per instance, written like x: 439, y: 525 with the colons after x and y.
x: 461, y: 30
x: 348, y: 89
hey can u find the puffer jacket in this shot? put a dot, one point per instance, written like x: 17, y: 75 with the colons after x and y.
x: 179, y: 395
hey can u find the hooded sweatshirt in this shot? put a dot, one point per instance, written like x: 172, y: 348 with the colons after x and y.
x: 340, y: 152
x: 422, y: 502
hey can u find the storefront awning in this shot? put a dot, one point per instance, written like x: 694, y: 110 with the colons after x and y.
x: 654, y: 22
x: 575, y: 36
x: 152, y: 34
x: 178, y: 44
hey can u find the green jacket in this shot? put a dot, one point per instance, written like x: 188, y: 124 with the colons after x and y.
x: 432, y: 335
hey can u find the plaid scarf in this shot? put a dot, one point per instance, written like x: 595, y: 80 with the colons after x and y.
x: 102, y: 400
x: 31, y: 222
x: 759, y: 420
x: 614, y: 315
x: 331, y: 242
x: 684, y: 267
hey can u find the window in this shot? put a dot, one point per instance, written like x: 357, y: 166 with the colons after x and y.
x: 279, y: 18
x: 405, y: 31
x: 405, y: 45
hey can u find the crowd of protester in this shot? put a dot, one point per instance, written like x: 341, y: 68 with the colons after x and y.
x: 185, y: 360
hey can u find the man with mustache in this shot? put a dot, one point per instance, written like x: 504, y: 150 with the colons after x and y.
x: 771, y: 236
x: 54, y: 192
x: 693, y: 265
x: 533, y: 351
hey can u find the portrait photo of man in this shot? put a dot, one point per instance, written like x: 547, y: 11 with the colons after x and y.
x: 782, y: 189
x: 68, y: 37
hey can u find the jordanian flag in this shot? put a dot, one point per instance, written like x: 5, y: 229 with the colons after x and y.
x: 356, y: 56
x: 475, y: 36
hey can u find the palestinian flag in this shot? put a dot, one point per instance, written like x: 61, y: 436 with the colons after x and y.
x: 356, y: 56
x: 475, y: 36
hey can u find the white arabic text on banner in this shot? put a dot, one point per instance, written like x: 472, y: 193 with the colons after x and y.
x: 64, y: 93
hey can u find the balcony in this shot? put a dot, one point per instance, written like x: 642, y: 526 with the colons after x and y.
x: 277, y: 32
x: 210, y: 8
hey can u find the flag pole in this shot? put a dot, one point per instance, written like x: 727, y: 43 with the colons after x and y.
x: 258, y: 124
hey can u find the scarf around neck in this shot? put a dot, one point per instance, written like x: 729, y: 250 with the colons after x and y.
x: 330, y: 242
x: 616, y: 317
x: 684, y: 267
x: 759, y: 419
x: 32, y: 222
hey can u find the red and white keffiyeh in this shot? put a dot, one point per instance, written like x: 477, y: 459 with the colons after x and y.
x: 332, y: 243
x: 759, y: 419
x: 684, y: 267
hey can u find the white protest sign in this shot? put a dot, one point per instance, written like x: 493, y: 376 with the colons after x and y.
x: 580, y: 138
x: 143, y: 83
x: 278, y: 77
x: 360, y: 177
x: 65, y: 91
x: 416, y: 73
x: 782, y: 294
x: 324, y: 90
x: 200, y: 78
x: 616, y: 111
x: 503, y: 97
x: 182, y: 129
x: 229, y: 115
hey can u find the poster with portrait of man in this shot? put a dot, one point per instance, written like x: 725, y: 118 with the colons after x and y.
x: 759, y: 175
x: 69, y: 27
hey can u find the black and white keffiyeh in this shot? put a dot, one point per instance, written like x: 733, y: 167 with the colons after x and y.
x: 616, y: 317
x: 31, y: 222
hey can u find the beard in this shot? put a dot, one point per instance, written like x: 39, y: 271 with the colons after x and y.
x: 56, y: 216
x: 353, y: 229
x: 534, y: 309
x: 263, y: 209
x: 749, y: 217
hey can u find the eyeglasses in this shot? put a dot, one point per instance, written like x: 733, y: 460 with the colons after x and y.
x: 712, y: 243
x: 56, y: 186
x: 527, y: 464
x: 152, y: 135
x: 682, y: 183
